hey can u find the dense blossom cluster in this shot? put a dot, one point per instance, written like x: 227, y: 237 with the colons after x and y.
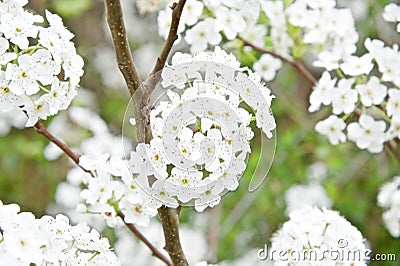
x: 389, y: 198
x: 317, y: 231
x: 201, y: 135
x: 25, y: 239
x: 357, y: 89
x: 40, y: 69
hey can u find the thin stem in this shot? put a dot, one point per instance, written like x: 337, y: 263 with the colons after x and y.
x: 295, y: 63
x: 121, y: 46
x: 171, y: 38
x: 41, y: 129
x: 154, y: 250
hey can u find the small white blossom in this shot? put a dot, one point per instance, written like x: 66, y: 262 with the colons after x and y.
x: 332, y: 127
x: 373, y: 92
x: 367, y: 133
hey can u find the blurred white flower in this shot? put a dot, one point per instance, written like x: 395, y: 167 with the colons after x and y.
x: 389, y: 199
x: 332, y: 127
x: 299, y: 196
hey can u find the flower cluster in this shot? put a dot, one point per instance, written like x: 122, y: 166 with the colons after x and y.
x: 113, y: 190
x: 40, y: 69
x: 374, y: 99
x: 25, y: 239
x: 317, y: 231
x: 230, y: 17
x: 389, y: 198
x: 292, y: 29
x: 201, y: 134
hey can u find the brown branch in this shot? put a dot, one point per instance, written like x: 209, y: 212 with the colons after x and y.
x: 121, y: 46
x: 170, y: 223
x: 168, y: 217
x: 41, y: 129
x: 295, y: 63
x: 154, y: 250
x: 172, y: 36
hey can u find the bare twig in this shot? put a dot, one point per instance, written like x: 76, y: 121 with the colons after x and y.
x: 41, y: 129
x: 295, y: 63
x: 172, y: 36
x: 154, y: 250
x: 121, y: 46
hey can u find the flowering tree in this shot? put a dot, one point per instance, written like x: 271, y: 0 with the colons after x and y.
x: 198, y: 124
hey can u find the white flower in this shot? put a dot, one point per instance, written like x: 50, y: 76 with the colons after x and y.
x: 322, y: 92
x: 392, y: 14
x: 207, y: 199
x: 344, y: 98
x: 202, y: 34
x: 44, y: 66
x: 355, y: 66
x: 26, y: 240
x: 100, y: 189
x: 186, y: 185
x: 312, y: 229
x: 229, y: 21
x: 18, y: 27
x: 5, y: 56
x: 136, y: 212
x: 389, y: 198
x: 317, y: 171
x: 332, y: 127
x: 328, y: 60
x: 36, y: 110
x: 367, y: 133
x: 393, y: 105
x: 191, y: 12
x: 373, y: 92
x: 298, y: 196
x: 22, y: 76
x: 386, y: 58
x: 267, y: 66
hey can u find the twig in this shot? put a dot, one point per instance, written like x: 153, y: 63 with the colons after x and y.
x: 154, y: 250
x: 121, y: 46
x: 296, y: 64
x: 172, y: 37
x: 41, y: 129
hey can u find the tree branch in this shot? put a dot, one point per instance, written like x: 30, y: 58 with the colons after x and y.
x: 170, y: 223
x: 172, y: 36
x: 41, y: 129
x: 295, y: 63
x: 168, y: 217
x: 121, y: 46
x: 154, y: 250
